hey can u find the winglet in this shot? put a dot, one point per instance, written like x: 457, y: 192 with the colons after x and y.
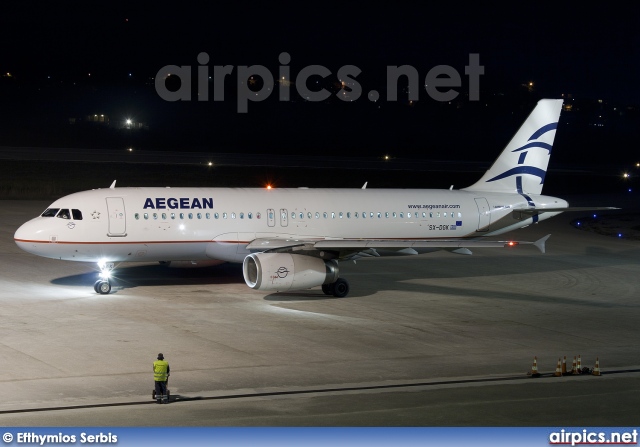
x: 540, y: 243
x: 365, y: 185
x: 113, y: 185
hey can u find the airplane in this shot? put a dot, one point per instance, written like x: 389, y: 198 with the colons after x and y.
x: 293, y: 238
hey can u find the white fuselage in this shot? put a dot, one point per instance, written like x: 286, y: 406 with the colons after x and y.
x: 194, y: 224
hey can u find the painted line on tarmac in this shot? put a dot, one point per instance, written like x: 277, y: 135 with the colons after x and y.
x: 313, y: 391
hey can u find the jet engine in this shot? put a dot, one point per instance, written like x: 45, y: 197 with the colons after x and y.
x: 284, y: 271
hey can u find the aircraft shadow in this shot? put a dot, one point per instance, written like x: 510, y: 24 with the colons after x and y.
x: 126, y: 277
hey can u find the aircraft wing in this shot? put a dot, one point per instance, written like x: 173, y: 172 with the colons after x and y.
x: 345, y: 246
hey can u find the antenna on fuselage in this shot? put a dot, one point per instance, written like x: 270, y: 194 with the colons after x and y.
x: 365, y: 185
x: 113, y: 185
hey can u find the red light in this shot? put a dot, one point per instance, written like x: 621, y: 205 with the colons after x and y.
x: 512, y: 243
x: 268, y: 186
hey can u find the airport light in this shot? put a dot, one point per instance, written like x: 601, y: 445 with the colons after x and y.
x: 210, y: 163
x: 130, y: 149
x: 625, y: 175
x: 268, y: 186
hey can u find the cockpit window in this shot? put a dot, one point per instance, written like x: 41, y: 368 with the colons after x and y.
x: 64, y: 214
x: 77, y: 215
x: 50, y: 212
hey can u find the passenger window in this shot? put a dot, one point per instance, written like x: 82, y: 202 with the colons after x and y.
x: 340, y: 214
x: 401, y: 215
x: 444, y: 215
x: 199, y: 215
x: 293, y: 214
x: 324, y: 214
x: 459, y: 214
x: 216, y: 215
x: 190, y: 215
x: 207, y: 215
x: 51, y: 212
x: 181, y: 215
x: 224, y: 215
x: 348, y: 215
x: 394, y: 215
x: 309, y: 215
x: 173, y: 215
x: 355, y: 214
x: 164, y: 216
x: 242, y: 215
x: 386, y: 214
x: 137, y: 216
x: 77, y: 215
x: 258, y: 215
x: 250, y: 215
x: 333, y: 215
x: 146, y: 216
x: 64, y: 214
x: 301, y: 215
x: 364, y: 215
x: 371, y: 215
x: 379, y: 215
x: 317, y: 215
x: 155, y: 216
x: 424, y: 214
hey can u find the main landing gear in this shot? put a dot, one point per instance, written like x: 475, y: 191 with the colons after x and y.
x: 339, y: 289
x: 102, y: 285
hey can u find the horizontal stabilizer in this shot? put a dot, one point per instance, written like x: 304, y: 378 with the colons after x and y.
x: 563, y: 210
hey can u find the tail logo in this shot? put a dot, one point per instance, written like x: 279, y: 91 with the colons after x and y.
x: 531, y: 170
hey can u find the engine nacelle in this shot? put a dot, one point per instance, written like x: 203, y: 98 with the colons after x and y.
x: 285, y: 271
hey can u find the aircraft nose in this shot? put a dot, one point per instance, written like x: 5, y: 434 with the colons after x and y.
x: 29, y: 236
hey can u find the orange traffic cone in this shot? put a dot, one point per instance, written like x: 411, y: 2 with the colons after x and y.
x: 564, y: 365
x: 534, y: 368
x: 596, y: 369
x: 558, y: 372
x: 574, y: 367
x: 579, y: 364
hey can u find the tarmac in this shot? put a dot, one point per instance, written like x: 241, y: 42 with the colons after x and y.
x: 431, y: 340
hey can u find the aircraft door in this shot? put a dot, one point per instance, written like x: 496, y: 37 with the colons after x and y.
x: 284, y: 219
x: 117, y: 216
x: 484, y: 214
x: 271, y: 217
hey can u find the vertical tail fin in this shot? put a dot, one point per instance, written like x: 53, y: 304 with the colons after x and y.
x: 522, y: 165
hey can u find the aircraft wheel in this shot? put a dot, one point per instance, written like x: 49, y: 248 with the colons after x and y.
x: 327, y: 289
x: 96, y: 286
x: 103, y: 287
x: 340, y: 288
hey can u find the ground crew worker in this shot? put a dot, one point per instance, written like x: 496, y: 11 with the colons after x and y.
x: 161, y: 377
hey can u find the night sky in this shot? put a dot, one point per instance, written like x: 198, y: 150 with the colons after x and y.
x: 71, y: 60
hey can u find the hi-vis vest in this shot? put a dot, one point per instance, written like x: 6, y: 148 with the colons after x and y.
x: 160, y: 370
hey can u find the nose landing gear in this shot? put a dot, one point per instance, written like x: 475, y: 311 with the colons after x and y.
x: 102, y: 285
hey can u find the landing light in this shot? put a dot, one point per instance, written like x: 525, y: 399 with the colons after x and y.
x: 625, y: 175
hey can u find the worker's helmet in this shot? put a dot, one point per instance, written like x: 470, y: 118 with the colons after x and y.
x: 160, y: 356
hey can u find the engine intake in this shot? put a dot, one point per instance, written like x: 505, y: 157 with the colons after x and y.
x: 285, y: 271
